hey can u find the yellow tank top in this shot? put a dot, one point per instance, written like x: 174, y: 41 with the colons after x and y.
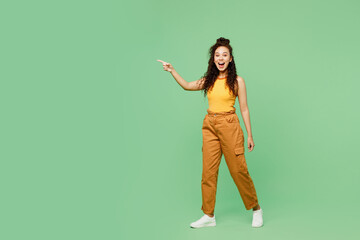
x: 220, y: 97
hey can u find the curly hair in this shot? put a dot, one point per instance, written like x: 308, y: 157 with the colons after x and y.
x: 212, y: 72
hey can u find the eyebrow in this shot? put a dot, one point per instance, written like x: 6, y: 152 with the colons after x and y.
x: 218, y: 52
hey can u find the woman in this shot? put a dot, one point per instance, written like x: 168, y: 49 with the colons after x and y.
x: 221, y: 130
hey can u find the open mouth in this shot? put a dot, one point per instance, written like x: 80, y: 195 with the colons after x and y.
x: 221, y: 64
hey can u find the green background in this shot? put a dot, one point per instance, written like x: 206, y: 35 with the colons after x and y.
x: 98, y: 142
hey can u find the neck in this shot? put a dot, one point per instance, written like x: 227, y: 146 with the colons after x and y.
x: 223, y: 74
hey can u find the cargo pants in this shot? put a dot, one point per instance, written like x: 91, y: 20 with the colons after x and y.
x: 222, y: 134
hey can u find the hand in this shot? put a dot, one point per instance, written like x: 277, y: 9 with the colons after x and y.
x: 250, y: 143
x: 167, y: 66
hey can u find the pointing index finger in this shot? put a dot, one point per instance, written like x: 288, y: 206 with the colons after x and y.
x: 161, y: 61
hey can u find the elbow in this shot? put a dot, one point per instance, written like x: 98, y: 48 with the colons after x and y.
x: 185, y: 87
x: 244, y: 109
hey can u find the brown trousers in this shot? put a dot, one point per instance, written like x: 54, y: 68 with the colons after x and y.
x: 222, y: 134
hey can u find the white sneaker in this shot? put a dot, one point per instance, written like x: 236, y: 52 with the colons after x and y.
x: 257, y: 220
x: 204, y: 221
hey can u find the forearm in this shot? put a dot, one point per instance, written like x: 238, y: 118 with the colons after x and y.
x: 246, y: 117
x: 179, y: 79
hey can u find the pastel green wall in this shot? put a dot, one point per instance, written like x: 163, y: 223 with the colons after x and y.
x: 98, y: 142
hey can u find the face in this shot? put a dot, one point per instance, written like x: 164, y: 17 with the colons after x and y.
x: 222, y: 58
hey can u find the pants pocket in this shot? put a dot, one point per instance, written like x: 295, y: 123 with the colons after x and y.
x: 233, y: 118
x: 240, y: 156
x: 239, y: 150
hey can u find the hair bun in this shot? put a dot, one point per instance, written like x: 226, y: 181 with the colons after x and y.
x: 223, y: 40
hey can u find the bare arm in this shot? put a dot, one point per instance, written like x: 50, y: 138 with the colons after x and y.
x: 196, y: 85
x: 244, y: 109
x: 184, y: 84
x: 189, y: 86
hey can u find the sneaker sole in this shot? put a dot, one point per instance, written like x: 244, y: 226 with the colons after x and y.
x: 205, y: 225
x: 258, y: 226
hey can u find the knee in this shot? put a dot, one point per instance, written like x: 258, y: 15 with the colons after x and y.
x: 209, y: 176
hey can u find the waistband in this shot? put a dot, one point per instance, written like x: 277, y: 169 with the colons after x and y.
x: 211, y: 113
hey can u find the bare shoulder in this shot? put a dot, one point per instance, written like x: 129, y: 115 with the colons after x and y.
x: 240, y: 79
x: 241, y: 83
